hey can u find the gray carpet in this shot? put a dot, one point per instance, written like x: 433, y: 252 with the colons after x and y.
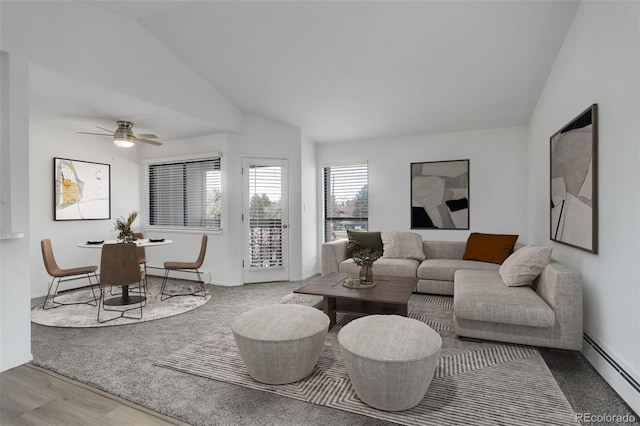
x: 120, y: 360
x: 585, y: 389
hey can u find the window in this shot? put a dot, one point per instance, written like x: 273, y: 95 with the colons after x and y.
x: 346, y: 200
x: 184, y: 194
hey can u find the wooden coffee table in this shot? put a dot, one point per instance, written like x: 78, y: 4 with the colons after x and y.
x: 389, y: 296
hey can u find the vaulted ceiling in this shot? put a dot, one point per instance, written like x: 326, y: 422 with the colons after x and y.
x: 344, y: 70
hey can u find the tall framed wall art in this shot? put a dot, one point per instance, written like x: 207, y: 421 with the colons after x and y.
x: 573, y: 182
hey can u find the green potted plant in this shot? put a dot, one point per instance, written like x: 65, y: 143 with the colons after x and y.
x: 123, y: 226
x: 365, y: 258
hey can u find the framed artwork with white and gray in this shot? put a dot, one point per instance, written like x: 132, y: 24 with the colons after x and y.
x: 82, y: 190
x: 573, y: 182
x: 440, y: 195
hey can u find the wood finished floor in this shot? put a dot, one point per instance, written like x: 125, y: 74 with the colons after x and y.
x: 30, y: 396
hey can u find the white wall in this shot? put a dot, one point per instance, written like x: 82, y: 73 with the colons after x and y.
x: 599, y: 63
x: 46, y: 33
x: 186, y: 245
x: 497, y: 175
x: 15, y: 312
x: 45, y: 143
x: 258, y: 138
x: 309, y: 225
x: 114, y: 53
x: 264, y: 138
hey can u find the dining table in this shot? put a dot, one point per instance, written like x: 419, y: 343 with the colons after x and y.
x: 125, y: 298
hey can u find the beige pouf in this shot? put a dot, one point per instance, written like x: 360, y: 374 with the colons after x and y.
x: 280, y: 343
x: 390, y: 359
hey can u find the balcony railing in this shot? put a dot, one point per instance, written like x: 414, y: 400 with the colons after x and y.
x: 265, y: 243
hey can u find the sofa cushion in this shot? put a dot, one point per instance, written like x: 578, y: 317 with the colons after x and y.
x: 384, y: 266
x: 493, y: 248
x: 402, y: 245
x: 444, y: 249
x: 443, y: 269
x: 482, y: 296
x: 361, y: 240
x: 524, y: 265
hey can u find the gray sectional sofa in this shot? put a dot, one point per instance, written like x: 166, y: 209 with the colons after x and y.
x: 435, y: 273
x: 548, y: 313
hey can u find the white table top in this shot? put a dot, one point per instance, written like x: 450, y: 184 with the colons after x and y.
x: 141, y: 242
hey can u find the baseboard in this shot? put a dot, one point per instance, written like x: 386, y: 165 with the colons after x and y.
x: 619, y: 376
x: 158, y: 271
x: 226, y: 284
x: 16, y: 362
x: 309, y: 275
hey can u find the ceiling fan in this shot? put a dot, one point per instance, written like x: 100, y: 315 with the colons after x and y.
x: 124, y: 137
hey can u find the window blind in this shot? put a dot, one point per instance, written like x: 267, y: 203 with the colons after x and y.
x: 184, y: 194
x: 346, y: 200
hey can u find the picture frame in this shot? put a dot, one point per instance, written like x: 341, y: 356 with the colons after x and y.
x: 82, y: 190
x: 440, y: 195
x: 573, y: 182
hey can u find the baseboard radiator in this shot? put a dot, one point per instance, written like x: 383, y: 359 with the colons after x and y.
x: 625, y: 375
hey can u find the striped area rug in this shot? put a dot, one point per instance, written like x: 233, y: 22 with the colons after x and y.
x: 479, y: 383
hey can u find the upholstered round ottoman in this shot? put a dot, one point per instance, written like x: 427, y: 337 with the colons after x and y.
x: 280, y: 343
x: 390, y: 359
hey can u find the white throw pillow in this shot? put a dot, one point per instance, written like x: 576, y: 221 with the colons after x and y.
x: 524, y: 265
x: 402, y: 245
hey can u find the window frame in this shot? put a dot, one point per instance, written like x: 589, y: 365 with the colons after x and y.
x: 146, y: 212
x: 324, y: 194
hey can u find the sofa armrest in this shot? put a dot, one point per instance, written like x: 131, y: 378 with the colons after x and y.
x: 333, y: 254
x: 561, y: 287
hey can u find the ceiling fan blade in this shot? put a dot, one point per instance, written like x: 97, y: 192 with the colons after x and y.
x: 106, y: 130
x: 99, y: 134
x: 148, y: 141
x: 145, y: 135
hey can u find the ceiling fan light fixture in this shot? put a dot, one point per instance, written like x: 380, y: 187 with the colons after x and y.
x: 123, y: 136
x: 123, y: 143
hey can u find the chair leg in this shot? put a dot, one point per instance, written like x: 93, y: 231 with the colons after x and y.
x: 44, y: 304
x: 52, y: 296
x: 141, y: 304
x: 162, y: 287
x: 95, y: 299
x: 164, y: 296
x: 143, y: 286
x: 201, y: 281
x: 146, y: 282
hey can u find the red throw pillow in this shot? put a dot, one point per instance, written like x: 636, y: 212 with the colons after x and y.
x: 492, y: 248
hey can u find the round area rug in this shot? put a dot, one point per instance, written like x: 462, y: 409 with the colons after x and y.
x: 86, y: 315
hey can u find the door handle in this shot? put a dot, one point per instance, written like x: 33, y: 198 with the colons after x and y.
x: 285, y: 226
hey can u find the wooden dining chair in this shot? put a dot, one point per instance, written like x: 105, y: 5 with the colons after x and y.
x: 192, y: 267
x: 142, y: 260
x: 59, y: 275
x: 119, y: 267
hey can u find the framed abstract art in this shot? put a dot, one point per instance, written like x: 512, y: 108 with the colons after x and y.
x: 573, y: 182
x: 440, y: 195
x: 82, y: 190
